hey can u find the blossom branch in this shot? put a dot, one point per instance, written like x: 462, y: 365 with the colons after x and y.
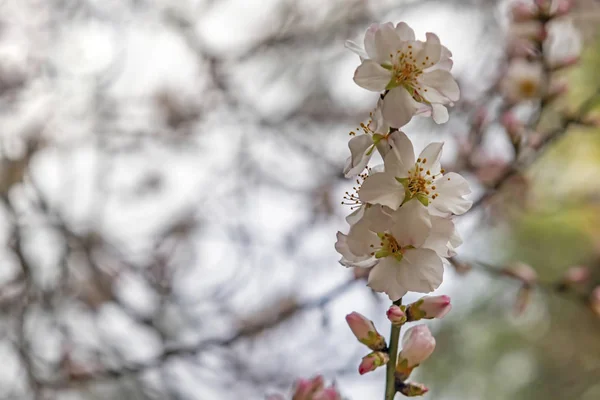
x: 390, y: 380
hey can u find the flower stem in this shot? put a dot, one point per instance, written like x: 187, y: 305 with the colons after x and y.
x: 390, y: 387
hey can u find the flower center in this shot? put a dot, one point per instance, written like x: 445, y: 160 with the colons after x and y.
x: 420, y: 183
x: 389, y: 247
x: 528, y: 88
x: 405, y: 71
x: 351, y: 198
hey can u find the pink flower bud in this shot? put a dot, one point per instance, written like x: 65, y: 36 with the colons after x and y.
x: 365, y: 331
x: 412, y: 389
x: 371, y: 361
x: 429, y: 307
x: 595, y: 300
x: 417, y: 345
x: 531, y: 30
x: 513, y: 126
x: 563, y: 7
x: 577, y: 275
x: 306, y: 388
x: 329, y: 393
x: 396, y: 315
x: 520, y: 12
x: 523, y: 299
x: 521, y: 271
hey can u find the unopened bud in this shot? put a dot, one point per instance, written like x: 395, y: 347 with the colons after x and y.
x: 595, y: 300
x: 306, y: 388
x: 372, y: 361
x: 417, y: 346
x: 576, y: 275
x: 522, y: 272
x: 365, y: 331
x: 532, y: 30
x: 521, y: 12
x: 396, y: 315
x: 429, y: 307
x: 513, y: 126
x: 556, y: 89
x: 523, y: 299
x: 562, y: 7
x: 330, y: 393
x: 411, y: 389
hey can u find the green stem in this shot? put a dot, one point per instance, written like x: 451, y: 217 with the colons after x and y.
x: 390, y: 387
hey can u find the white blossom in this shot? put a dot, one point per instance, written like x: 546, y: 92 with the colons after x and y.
x: 524, y: 80
x: 405, y: 178
x: 563, y: 45
x: 405, y: 246
x: 414, y: 74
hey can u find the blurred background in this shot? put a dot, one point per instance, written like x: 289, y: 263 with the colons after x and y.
x: 170, y: 183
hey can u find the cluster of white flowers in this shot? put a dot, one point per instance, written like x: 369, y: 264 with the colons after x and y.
x: 541, y: 39
x: 402, y: 224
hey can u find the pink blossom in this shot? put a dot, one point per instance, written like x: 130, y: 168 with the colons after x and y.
x: 371, y: 361
x: 396, y: 315
x: 417, y: 345
x: 430, y: 307
x: 365, y: 331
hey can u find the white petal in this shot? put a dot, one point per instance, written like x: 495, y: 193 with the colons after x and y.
x: 432, y: 38
x: 360, y: 239
x: 450, y: 189
x: 370, y: 41
x: 382, y: 188
x: 398, y: 107
x: 411, y: 224
x: 372, y: 76
x: 356, y: 215
x: 405, y: 32
x: 403, y: 148
x: 395, y: 166
x: 348, y: 258
x: 387, y: 43
x: 430, y: 157
x: 421, y: 270
x: 377, y: 219
x: 360, y: 154
x: 439, y: 113
x: 355, y: 48
x: 382, y: 278
x: 442, y: 231
x: 443, y: 82
x: 429, y: 55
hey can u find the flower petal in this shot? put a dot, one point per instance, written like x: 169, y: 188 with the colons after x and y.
x: 370, y: 41
x: 372, y: 76
x: 387, y: 43
x: 439, y: 113
x: 444, y: 84
x: 395, y: 166
x: 360, y: 239
x: 411, y: 224
x: 429, y: 55
x: 398, y: 107
x: 382, y: 188
x: 442, y: 232
x: 450, y: 189
x: 430, y: 157
x: 421, y: 270
x: 405, y: 32
x: 348, y: 258
x: 403, y: 148
x: 382, y: 278
x: 356, y: 49
x: 360, y: 154
x: 356, y: 215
